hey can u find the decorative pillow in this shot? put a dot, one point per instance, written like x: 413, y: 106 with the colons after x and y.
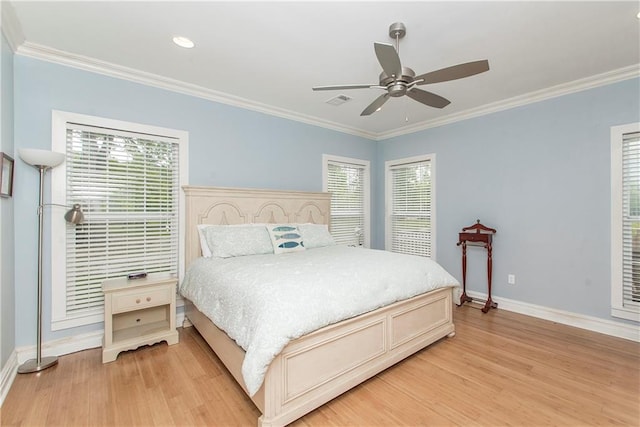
x: 226, y: 241
x: 316, y: 235
x: 285, y: 238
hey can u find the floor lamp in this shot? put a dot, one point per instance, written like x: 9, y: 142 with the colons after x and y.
x: 44, y: 160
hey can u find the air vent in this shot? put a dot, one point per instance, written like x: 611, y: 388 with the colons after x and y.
x: 338, y: 100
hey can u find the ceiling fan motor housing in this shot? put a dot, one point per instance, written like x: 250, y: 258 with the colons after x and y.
x: 397, y: 29
x: 397, y: 86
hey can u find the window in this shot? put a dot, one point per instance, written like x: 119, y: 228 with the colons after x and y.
x: 127, y: 179
x: 625, y: 221
x: 410, y: 197
x: 348, y: 182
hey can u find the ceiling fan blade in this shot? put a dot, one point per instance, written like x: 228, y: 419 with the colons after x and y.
x: 454, y: 72
x: 388, y: 59
x: 428, y: 98
x: 354, y: 86
x: 373, y: 107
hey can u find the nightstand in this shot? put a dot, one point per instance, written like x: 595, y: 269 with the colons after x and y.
x: 138, y: 312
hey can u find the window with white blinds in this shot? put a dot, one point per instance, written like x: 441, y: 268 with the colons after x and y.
x: 128, y: 186
x: 625, y: 236
x: 410, y: 206
x: 348, y: 182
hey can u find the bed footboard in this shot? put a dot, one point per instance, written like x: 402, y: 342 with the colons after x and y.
x: 315, y: 368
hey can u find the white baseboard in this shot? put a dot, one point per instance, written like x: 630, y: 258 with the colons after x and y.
x: 595, y: 324
x: 7, y: 375
x: 62, y: 346
x: 71, y: 344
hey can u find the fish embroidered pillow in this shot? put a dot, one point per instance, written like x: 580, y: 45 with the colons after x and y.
x: 285, y: 238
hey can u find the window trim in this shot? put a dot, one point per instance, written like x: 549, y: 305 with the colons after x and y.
x: 431, y: 158
x: 617, y: 307
x: 59, y: 119
x: 326, y: 158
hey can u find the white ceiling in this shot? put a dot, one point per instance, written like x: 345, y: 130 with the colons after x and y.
x: 267, y: 55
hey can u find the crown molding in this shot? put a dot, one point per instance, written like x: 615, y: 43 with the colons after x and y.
x: 10, y: 26
x: 48, y: 54
x: 626, y: 73
x: 86, y: 63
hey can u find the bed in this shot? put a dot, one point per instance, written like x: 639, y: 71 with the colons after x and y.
x: 320, y: 365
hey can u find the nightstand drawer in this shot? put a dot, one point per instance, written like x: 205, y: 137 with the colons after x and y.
x: 140, y: 299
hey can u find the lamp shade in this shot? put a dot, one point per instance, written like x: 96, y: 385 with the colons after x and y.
x: 75, y: 215
x: 44, y: 158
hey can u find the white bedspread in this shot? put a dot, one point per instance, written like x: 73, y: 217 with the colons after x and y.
x: 265, y: 301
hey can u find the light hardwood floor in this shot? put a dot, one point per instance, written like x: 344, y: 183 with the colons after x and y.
x: 500, y: 369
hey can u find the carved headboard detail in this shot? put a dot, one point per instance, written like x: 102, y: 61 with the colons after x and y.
x: 222, y: 213
x: 227, y: 206
x: 271, y: 213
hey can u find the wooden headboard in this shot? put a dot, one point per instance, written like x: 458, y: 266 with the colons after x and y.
x: 227, y: 206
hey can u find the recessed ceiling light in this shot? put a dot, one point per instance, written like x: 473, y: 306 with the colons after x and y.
x: 183, y: 42
x: 638, y: 15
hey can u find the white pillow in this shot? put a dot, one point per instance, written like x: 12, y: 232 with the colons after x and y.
x: 316, y: 235
x: 226, y: 241
x: 204, y: 247
x: 285, y: 238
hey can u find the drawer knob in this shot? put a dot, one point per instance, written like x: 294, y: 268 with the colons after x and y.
x: 138, y: 301
x: 148, y: 299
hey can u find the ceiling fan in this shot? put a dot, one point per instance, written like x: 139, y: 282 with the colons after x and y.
x: 399, y: 81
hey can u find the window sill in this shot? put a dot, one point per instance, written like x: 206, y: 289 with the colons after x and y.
x: 74, y: 322
x: 625, y: 313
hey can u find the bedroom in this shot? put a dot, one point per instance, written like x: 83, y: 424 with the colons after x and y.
x: 538, y: 172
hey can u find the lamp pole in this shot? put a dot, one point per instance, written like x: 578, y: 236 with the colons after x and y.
x: 39, y: 363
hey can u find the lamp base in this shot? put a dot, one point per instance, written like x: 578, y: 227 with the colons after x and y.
x: 32, y: 365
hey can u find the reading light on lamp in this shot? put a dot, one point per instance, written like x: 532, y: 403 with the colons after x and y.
x: 44, y: 160
x: 75, y: 215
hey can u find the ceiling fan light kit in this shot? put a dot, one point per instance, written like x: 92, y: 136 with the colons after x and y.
x: 399, y: 81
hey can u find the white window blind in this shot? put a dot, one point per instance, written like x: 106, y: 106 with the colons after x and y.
x: 346, y: 183
x: 128, y: 187
x: 631, y: 221
x: 411, y: 207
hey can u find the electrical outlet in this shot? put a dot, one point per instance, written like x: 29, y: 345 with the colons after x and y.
x: 511, y: 279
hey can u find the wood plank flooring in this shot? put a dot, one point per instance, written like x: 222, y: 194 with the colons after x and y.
x: 501, y: 369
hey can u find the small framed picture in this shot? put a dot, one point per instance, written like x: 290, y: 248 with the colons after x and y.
x: 6, y: 175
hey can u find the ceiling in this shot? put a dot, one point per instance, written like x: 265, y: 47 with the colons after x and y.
x: 267, y: 55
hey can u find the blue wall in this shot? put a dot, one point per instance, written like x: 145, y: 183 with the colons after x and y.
x: 228, y: 147
x: 7, y: 254
x: 540, y: 175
